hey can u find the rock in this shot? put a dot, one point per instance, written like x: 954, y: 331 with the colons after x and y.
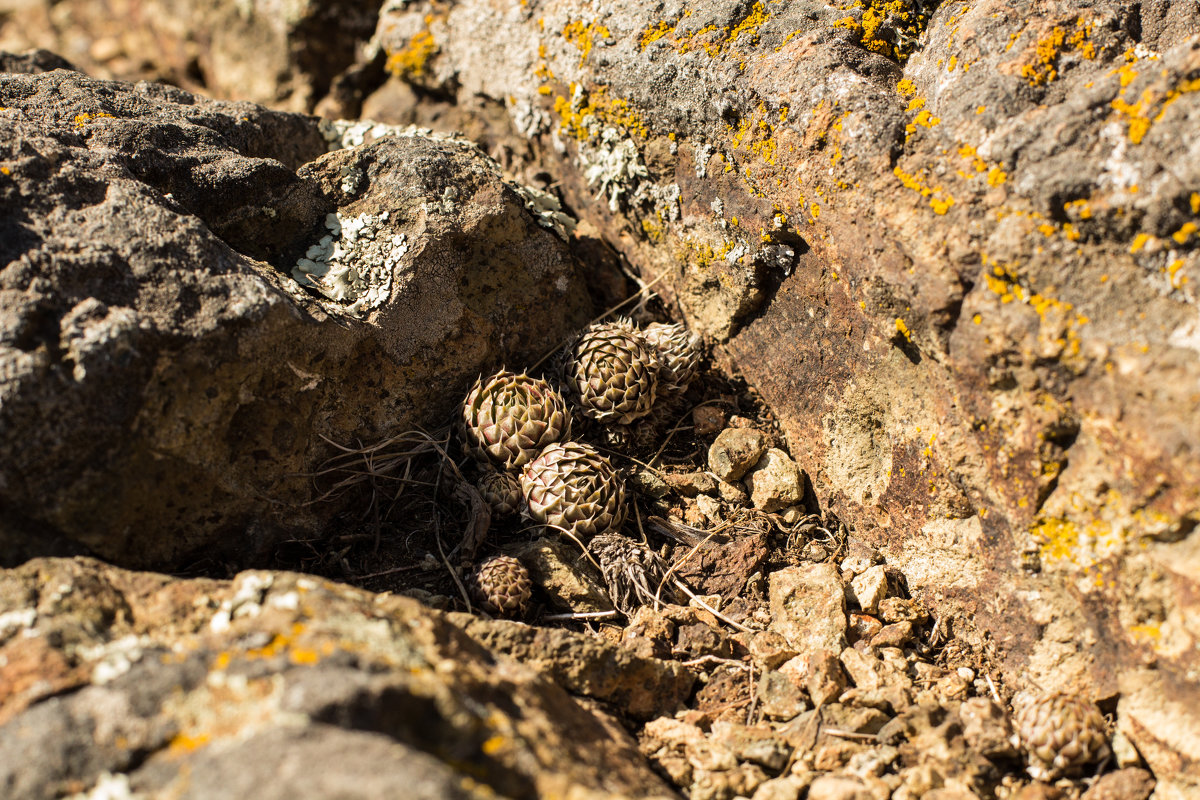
x: 987, y: 729
x: 869, y: 588
x: 287, y: 60
x: 569, y: 582
x: 861, y: 558
x: 1038, y: 791
x: 780, y: 697
x: 733, y: 494
x: 709, y: 507
x: 899, y: 609
x: 788, y: 787
x: 585, y: 665
x: 1124, y: 784
x: 808, y: 608
x: 667, y: 742
x: 758, y: 744
x: 690, y: 484
x: 769, y: 650
x: 825, y: 679
x: 839, y: 787
x: 724, y: 567
x: 734, y: 451
x: 774, y: 481
x: 898, y: 634
x: 167, y: 381
x: 708, y: 420
x: 648, y: 483
x: 281, y: 685
x: 862, y: 626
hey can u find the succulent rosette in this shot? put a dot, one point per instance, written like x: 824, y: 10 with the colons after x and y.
x: 613, y: 373
x: 1061, y: 733
x: 501, y: 491
x: 679, y: 352
x: 508, y: 419
x: 573, y: 487
x: 502, y: 586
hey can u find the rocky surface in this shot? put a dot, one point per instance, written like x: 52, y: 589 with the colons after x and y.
x: 956, y: 255
x: 953, y: 245
x: 166, y: 383
x: 276, y: 685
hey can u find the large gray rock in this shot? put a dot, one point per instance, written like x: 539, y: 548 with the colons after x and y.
x: 165, y: 380
x: 276, y: 685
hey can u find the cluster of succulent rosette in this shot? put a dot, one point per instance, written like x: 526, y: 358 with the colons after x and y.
x: 519, y: 429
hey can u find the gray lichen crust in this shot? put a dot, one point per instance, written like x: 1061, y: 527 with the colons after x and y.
x: 354, y: 263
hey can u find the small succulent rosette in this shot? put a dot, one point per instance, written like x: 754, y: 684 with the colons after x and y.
x: 572, y: 487
x: 508, y: 418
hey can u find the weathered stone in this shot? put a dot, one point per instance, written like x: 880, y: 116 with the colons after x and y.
x: 825, y: 679
x: 839, y: 787
x: 708, y: 420
x: 732, y: 493
x: 769, y: 650
x: 774, y: 481
x: 734, y: 451
x: 724, y: 567
x: 808, y: 607
x: 899, y: 609
x: 690, y: 484
x: 1124, y: 784
x: 869, y: 588
x: 780, y: 696
x: 642, y: 687
x: 862, y: 626
x: 869, y: 672
x: 568, y: 581
x: 648, y: 483
x: 167, y: 381
x: 281, y: 685
x: 287, y: 58
x: 898, y: 634
x: 788, y: 787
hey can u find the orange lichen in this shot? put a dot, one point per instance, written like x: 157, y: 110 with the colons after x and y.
x: 1043, y: 65
x: 410, y: 60
x: 584, y: 36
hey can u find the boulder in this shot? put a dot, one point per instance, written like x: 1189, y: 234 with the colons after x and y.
x: 166, y: 381
x: 277, y: 685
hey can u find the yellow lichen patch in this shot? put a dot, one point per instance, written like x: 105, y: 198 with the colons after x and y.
x: 609, y: 111
x: 83, y: 119
x: 996, y: 176
x: 939, y: 199
x: 868, y: 26
x: 1060, y: 324
x: 1181, y: 236
x: 1151, y: 107
x: 903, y: 330
x: 711, y: 38
x: 584, y: 36
x: 410, y: 61
x: 1194, y: 201
x: 906, y: 87
x: 1177, y: 280
x: 1139, y: 242
x: 1042, y: 65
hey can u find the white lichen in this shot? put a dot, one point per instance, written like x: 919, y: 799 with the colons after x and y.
x: 109, y: 787
x: 612, y: 164
x: 246, y: 601
x: 353, y: 265
x: 113, y: 659
x: 703, y: 154
x: 352, y: 179
x: 13, y: 621
x: 547, y: 209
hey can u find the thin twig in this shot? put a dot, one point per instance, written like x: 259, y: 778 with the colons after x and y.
x: 682, y: 587
x: 582, y: 615
x: 866, y: 737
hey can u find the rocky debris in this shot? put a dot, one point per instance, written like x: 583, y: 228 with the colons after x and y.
x: 868, y: 589
x: 808, y: 608
x: 1124, y: 784
x: 690, y: 484
x: 150, y: 312
x: 707, y: 420
x: 734, y: 451
x: 774, y: 481
x: 282, y: 682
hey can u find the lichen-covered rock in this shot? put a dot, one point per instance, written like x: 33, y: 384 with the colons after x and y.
x: 165, y: 380
x: 280, y: 685
x: 957, y: 252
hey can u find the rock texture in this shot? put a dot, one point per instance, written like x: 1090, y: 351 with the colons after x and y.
x: 957, y: 255
x: 286, y: 55
x: 165, y: 380
x: 276, y: 685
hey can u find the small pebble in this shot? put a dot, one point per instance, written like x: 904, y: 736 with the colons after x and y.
x: 708, y: 420
x: 734, y: 451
